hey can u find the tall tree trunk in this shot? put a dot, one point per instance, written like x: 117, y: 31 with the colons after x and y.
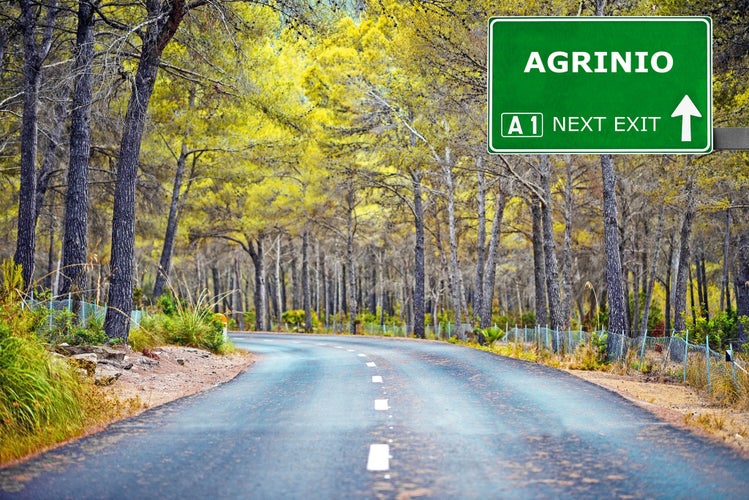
x: 164, y: 20
x: 255, y: 249
x: 724, y: 281
x: 481, y: 243
x: 277, y: 277
x: 418, y: 301
x: 216, y: 288
x: 350, y: 232
x: 704, y: 304
x: 454, y: 268
x: 615, y: 288
x: 653, y: 271
x: 34, y: 54
x: 682, y: 274
x: 306, y: 293
x: 238, y: 303
x: 742, y: 287
x: 552, y: 270
x: 491, y: 261
x: 539, y: 268
x: 567, y: 248
x: 75, y: 237
x: 165, y: 262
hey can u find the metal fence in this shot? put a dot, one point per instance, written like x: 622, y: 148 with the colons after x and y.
x: 85, y: 310
x: 672, y: 356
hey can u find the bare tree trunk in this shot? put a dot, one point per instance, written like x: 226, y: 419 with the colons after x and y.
x: 350, y: 231
x: 306, y: 293
x: 280, y: 306
x: 724, y: 281
x: 653, y: 271
x: 491, y: 262
x: 481, y: 244
x: 164, y: 20
x: 454, y: 269
x: 418, y: 294
x: 615, y: 289
x: 75, y: 238
x: 539, y: 269
x: 34, y: 55
x: 165, y: 261
x: 682, y: 275
x: 237, y: 294
x: 742, y: 286
x: 552, y: 270
x: 567, y: 248
x: 255, y: 249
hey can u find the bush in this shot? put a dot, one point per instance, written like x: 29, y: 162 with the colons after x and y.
x: 187, y: 327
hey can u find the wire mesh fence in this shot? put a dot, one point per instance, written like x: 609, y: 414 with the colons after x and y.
x: 62, y: 308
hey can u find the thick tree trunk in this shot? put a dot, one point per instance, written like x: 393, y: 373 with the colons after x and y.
x: 615, y: 288
x: 557, y: 322
x: 34, y: 55
x: 238, y: 303
x: 165, y: 19
x: 75, y: 237
x: 491, y: 262
x: 418, y: 301
x: 539, y: 269
x: 255, y: 249
x: 682, y: 274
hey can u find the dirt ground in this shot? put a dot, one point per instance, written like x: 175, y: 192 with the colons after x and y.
x: 171, y: 372
x: 182, y: 371
x: 679, y: 405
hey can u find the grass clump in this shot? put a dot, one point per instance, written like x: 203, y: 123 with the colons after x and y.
x: 180, y: 324
x: 43, y: 399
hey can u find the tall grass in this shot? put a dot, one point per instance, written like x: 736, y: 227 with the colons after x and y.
x: 189, y: 323
x: 43, y: 399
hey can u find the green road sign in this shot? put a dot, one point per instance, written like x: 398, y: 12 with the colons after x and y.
x: 600, y: 85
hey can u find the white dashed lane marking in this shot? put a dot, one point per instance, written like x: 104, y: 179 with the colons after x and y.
x: 381, y: 405
x: 371, y: 364
x: 379, y: 457
x: 376, y: 379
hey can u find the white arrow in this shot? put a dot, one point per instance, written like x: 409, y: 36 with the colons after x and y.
x: 686, y: 109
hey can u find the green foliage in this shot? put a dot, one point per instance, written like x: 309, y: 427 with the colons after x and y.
x: 167, y: 304
x: 62, y: 326
x: 719, y: 329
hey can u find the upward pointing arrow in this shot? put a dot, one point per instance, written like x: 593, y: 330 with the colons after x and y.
x: 686, y: 109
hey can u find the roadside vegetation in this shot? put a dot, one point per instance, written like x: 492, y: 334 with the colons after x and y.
x: 44, y: 398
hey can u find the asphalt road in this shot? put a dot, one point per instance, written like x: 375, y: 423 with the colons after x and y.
x: 359, y: 417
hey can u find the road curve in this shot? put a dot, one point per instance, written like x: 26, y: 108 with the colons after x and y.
x: 362, y: 417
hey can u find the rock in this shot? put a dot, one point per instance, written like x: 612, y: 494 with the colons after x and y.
x: 181, y: 361
x: 85, y: 362
x: 106, y: 376
x: 147, y: 361
x: 101, y: 352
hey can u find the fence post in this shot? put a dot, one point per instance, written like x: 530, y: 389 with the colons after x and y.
x: 50, y: 312
x: 621, y: 346
x: 686, y: 354
x: 642, y: 349
x: 707, y: 358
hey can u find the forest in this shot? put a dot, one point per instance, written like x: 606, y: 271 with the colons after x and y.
x: 323, y: 164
